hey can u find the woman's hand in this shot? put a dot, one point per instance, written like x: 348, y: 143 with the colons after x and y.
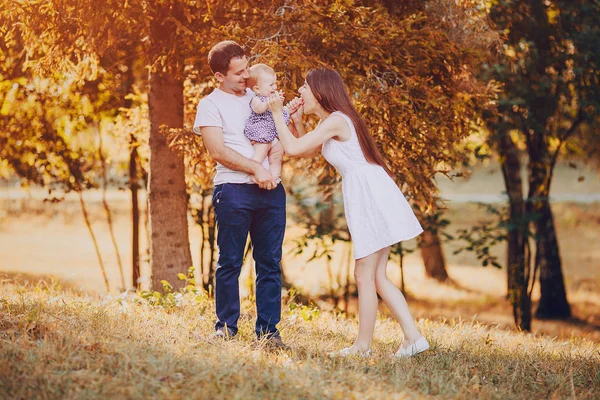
x: 294, y: 104
x: 275, y: 103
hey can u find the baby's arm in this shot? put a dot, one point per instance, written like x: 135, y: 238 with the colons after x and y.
x: 258, y: 106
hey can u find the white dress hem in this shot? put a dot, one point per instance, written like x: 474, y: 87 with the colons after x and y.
x: 369, y: 252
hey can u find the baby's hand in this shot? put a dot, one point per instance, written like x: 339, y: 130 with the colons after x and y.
x: 275, y: 102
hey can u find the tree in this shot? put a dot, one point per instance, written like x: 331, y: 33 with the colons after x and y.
x: 167, y: 196
x: 520, y: 275
x: 133, y: 126
x: 115, y: 98
x: 550, y: 76
x: 48, y: 126
x: 113, y: 31
x: 412, y: 83
x: 430, y: 245
x: 408, y: 80
x: 467, y: 24
x: 462, y: 26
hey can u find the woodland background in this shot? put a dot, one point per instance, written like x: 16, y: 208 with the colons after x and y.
x: 486, y: 111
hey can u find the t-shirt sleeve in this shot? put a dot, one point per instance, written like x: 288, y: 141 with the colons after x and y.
x: 207, y: 114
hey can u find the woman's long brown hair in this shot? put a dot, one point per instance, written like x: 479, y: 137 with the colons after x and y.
x: 331, y: 92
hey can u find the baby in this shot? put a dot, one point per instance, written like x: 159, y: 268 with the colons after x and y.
x: 260, y: 127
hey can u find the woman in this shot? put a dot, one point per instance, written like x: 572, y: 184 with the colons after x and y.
x: 377, y: 213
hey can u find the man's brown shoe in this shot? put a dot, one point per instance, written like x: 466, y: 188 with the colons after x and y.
x: 274, y: 343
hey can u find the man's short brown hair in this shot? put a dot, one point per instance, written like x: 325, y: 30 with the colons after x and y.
x: 221, y: 55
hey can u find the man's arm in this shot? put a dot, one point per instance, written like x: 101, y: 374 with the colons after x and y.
x: 213, y: 140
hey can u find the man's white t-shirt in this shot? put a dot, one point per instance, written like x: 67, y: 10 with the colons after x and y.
x: 229, y: 112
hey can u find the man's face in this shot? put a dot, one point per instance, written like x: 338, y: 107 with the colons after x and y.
x: 235, y: 79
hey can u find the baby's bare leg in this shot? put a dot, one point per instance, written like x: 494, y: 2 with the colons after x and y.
x: 275, y: 159
x: 260, y: 151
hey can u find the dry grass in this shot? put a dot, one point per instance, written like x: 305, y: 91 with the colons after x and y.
x: 41, y: 238
x: 59, y: 341
x: 56, y: 342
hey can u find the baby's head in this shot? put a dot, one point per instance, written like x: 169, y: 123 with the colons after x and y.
x: 262, y: 79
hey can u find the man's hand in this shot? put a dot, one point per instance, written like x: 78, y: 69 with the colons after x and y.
x: 215, y: 143
x: 264, y: 179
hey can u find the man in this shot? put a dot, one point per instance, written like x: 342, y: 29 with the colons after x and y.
x: 246, y: 198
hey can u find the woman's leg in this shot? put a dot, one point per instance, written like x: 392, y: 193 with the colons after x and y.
x: 364, y: 275
x: 393, y: 298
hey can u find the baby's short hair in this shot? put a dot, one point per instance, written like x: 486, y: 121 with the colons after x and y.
x: 256, y: 70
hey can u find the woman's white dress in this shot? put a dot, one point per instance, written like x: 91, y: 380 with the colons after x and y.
x: 377, y: 213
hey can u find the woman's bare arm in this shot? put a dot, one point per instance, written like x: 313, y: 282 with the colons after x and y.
x: 298, y: 130
x: 295, y: 146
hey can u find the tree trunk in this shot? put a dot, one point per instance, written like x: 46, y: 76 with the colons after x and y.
x: 401, y: 265
x: 168, y: 202
x: 517, y: 281
x: 432, y: 255
x: 135, y: 212
x: 553, y: 301
x: 134, y: 185
x: 88, y: 224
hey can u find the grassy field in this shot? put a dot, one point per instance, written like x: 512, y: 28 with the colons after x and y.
x: 56, y: 342
x: 51, y: 239
x: 64, y: 337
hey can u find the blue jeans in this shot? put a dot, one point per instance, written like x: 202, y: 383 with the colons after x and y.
x: 241, y: 209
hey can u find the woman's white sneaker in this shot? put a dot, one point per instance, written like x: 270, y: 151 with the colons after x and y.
x: 418, y: 346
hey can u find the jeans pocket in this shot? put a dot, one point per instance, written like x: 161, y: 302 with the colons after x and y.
x: 218, y: 194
